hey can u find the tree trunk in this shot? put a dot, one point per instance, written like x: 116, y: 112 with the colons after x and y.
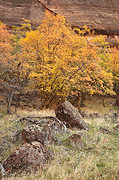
x: 17, y: 102
x: 103, y: 102
x: 79, y: 102
x: 81, y: 98
x: 117, y: 102
x: 9, y: 103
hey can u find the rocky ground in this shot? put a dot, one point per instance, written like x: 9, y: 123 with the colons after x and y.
x: 33, y: 147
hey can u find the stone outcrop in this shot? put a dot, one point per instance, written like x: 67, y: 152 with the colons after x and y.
x: 70, y: 116
x: 41, y: 134
x: 12, y: 11
x: 101, y: 15
x: 34, y: 153
x: 28, y: 158
x: 75, y: 141
x: 44, y: 131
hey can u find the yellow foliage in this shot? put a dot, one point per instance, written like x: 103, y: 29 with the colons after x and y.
x: 60, y: 60
x: 63, y: 60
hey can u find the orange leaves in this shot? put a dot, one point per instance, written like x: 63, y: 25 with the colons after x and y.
x: 10, y: 57
x: 115, y: 62
x: 6, y: 48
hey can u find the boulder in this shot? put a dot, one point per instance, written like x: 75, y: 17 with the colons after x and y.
x: 44, y: 131
x: 28, y: 158
x: 75, y: 141
x: 42, y: 134
x: 70, y: 116
x: 55, y: 124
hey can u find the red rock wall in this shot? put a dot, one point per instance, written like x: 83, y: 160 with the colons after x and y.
x: 96, y: 14
x: 102, y: 15
x: 12, y: 11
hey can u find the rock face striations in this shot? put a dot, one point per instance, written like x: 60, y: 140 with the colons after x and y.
x: 101, y: 15
x: 12, y: 11
x: 96, y: 14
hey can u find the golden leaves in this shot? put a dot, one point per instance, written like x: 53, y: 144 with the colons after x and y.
x: 61, y: 60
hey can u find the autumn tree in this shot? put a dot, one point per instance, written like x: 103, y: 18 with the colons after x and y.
x: 115, y: 72
x: 56, y: 60
x: 62, y: 61
x: 109, y: 62
x: 13, y: 72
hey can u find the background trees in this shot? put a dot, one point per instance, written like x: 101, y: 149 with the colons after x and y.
x: 13, y: 71
x: 109, y: 62
x: 56, y: 61
x: 115, y: 72
x: 63, y: 61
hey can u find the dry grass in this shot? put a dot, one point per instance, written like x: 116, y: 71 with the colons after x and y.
x: 97, y: 160
x: 94, y: 105
x: 11, y: 129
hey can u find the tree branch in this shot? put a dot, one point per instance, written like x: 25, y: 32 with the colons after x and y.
x: 30, y: 119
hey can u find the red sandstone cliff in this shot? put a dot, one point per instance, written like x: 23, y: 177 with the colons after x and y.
x: 12, y: 11
x: 102, y: 15
x: 96, y: 14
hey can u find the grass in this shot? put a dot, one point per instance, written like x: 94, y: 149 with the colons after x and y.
x: 93, y: 104
x: 97, y: 160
